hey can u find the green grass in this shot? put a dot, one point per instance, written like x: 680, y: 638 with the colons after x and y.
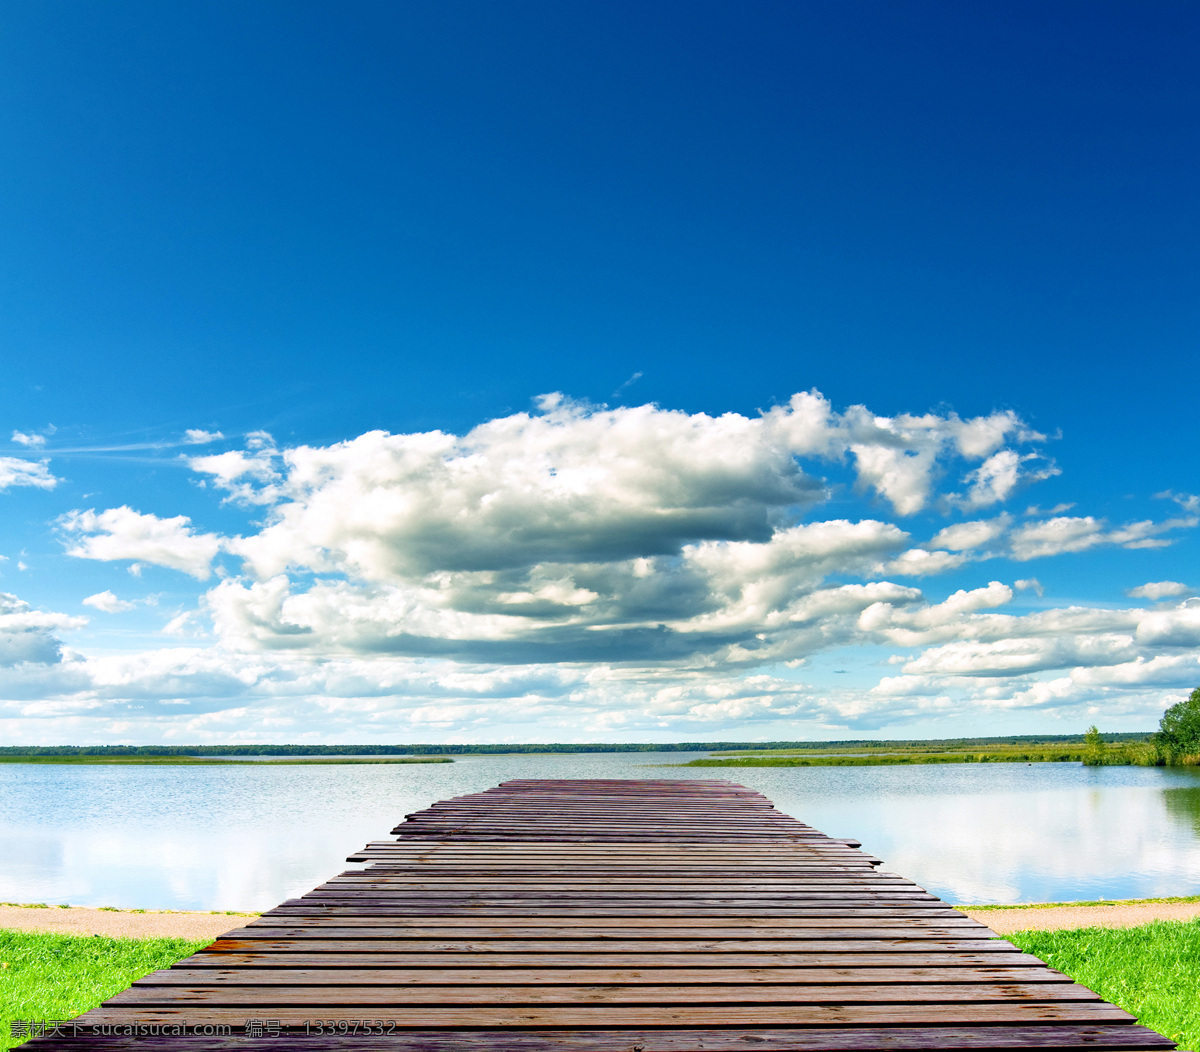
x: 1152, y: 971
x: 878, y: 760
x: 884, y: 754
x: 48, y: 976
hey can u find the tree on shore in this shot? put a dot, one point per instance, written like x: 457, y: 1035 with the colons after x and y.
x: 1094, y: 743
x: 1179, y: 729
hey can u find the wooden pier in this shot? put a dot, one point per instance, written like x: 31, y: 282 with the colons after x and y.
x: 610, y: 916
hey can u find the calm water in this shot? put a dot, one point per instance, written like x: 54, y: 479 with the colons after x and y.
x: 247, y: 836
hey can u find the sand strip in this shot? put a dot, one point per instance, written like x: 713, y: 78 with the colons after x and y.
x: 78, y: 920
x: 1052, y: 918
x: 121, y: 924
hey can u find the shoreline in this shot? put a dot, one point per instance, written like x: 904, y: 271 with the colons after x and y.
x: 197, y: 925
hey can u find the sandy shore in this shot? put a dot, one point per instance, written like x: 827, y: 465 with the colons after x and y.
x: 77, y: 920
x: 121, y: 924
x: 1051, y: 918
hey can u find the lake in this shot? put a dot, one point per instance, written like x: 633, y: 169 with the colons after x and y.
x: 246, y: 836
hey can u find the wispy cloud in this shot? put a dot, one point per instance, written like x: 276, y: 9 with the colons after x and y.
x: 627, y: 384
x: 17, y: 472
x: 108, y: 603
x: 197, y: 437
x: 1158, y: 590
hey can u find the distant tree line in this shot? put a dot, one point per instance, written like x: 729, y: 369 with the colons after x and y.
x: 450, y: 749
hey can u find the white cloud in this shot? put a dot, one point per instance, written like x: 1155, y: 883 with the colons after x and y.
x: 1158, y: 590
x: 1022, y: 655
x: 17, y: 472
x: 920, y: 562
x: 900, y: 457
x: 122, y: 533
x: 609, y: 572
x: 965, y: 536
x: 108, y: 603
x: 1033, y: 511
x: 195, y: 436
x: 1179, y: 627
x: 995, y: 480
x: 631, y: 535
x: 32, y: 441
x: 27, y: 635
x: 218, y: 693
x: 1065, y: 534
x: 1056, y: 536
x: 1189, y: 502
x: 249, y: 478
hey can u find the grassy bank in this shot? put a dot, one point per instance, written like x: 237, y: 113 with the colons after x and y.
x: 1152, y: 971
x: 881, y: 754
x: 188, y: 761
x: 450, y: 749
x: 45, y: 976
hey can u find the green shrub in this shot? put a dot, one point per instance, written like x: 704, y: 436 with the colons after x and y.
x: 1179, y: 730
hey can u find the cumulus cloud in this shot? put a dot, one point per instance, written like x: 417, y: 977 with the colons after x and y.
x: 1071, y: 660
x: 965, y: 536
x: 581, y: 533
x: 1065, y: 534
x: 995, y: 480
x: 124, y: 534
x: 211, y: 694
x: 920, y: 562
x: 249, y: 476
x: 1158, y: 590
x: 217, y: 692
x: 108, y: 603
x: 614, y: 571
x: 31, y: 441
x: 195, y: 436
x: 17, y: 472
x: 726, y: 601
x: 568, y: 485
x: 1022, y: 655
x: 27, y: 635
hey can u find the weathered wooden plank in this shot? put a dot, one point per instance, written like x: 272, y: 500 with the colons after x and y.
x: 264, y: 996
x: 849, y: 898
x: 298, y: 907
x: 892, y: 930
x: 579, y: 876
x: 526, y: 1016
x: 356, y: 955
x: 273, y: 971
x: 1061, y: 1037
x: 830, y: 946
x: 656, y: 927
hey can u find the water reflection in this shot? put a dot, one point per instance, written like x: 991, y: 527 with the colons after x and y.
x: 247, y: 836
x: 1183, y: 804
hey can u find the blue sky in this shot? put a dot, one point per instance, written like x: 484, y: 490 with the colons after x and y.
x: 603, y: 371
